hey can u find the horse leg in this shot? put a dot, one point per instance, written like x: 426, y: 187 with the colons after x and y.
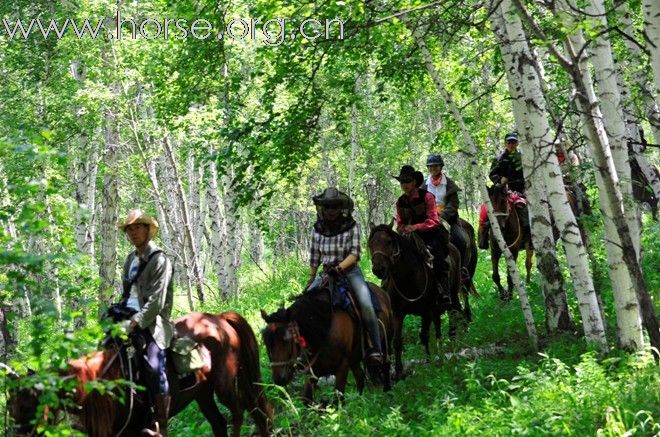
x: 495, y: 260
x: 262, y: 413
x: 341, y: 377
x: 437, y: 322
x: 236, y: 418
x: 210, y: 411
x: 358, y: 374
x: 308, y: 391
x: 424, y: 333
x: 528, y: 263
x: 398, y: 346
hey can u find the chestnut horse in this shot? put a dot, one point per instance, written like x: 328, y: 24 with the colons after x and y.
x: 412, y: 286
x: 324, y: 341
x: 231, y: 372
x: 516, y: 236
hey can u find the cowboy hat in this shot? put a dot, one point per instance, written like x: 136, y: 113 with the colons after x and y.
x: 408, y: 173
x: 137, y: 216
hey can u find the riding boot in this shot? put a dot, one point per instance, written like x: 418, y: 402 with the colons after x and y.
x: 161, y: 414
x: 374, y: 355
x: 441, y: 276
x: 483, y: 235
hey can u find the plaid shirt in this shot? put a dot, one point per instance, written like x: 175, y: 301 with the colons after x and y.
x: 332, y: 250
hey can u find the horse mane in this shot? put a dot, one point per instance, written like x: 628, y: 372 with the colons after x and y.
x: 98, y: 410
x: 313, y: 314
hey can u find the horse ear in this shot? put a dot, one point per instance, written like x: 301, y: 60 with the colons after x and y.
x: 391, y: 225
x: 264, y: 315
x: 371, y: 226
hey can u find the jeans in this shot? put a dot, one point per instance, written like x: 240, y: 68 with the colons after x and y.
x: 361, y: 292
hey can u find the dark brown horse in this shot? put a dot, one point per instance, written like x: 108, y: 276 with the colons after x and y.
x: 516, y: 236
x: 323, y: 341
x: 412, y: 286
x: 231, y: 372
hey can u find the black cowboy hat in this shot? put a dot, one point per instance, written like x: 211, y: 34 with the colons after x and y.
x: 408, y: 173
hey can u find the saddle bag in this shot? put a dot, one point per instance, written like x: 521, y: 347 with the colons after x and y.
x: 185, y: 355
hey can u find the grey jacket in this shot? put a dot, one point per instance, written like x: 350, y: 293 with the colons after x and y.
x: 155, y: 295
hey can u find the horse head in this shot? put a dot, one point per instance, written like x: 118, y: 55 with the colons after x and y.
x: 499, y: 199
x: 383, y: 248
x: 22, y: 404
x: 284, y: 344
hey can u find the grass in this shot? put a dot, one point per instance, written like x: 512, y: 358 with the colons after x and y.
x: 565, y: 390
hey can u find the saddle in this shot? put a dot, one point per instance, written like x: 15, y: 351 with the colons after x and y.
x: 184, y: 353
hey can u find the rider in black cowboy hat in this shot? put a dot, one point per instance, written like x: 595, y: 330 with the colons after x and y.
x: 416, y: 212
x: 336, y: 242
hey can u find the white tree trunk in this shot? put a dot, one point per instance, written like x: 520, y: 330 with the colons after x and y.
x: 109, y: 206
x: 219, y: 254
x: 628, y: 312
x: 232, y: 242
x: 84, y: 174
x: 607, y: 90
x: 187, y: 227
x: 472, y: 153
x: 639, y: 73
x: 651, y: 9
x: 516, y: 54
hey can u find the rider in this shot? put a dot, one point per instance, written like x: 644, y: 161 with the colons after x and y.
x: 147, y: 281
x: 569, y: 164
x: 416, y: 212
x: 336, y: 242
x: 506, y: 169
x: 446, y: 198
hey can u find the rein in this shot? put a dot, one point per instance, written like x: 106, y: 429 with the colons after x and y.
x: 392, y: 260
x: 294, y: 332
x: 505, y: 215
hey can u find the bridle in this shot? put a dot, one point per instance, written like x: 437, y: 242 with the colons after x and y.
x: 391, y: 260
x: 298, y: 348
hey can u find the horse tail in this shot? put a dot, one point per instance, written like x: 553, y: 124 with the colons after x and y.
x: 98, y: 410
x: 249, y: 377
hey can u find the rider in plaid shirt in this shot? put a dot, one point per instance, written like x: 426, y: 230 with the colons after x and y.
x: 336, y: 244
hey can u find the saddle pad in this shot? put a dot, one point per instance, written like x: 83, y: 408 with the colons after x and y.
x: 185, y: 355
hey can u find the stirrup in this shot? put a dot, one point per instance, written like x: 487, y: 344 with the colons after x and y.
x: 374, y: 357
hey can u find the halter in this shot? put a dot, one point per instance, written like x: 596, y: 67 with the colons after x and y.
x: 293, y: 334
x: 391, y: 259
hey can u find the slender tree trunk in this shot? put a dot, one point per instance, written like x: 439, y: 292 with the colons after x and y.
x: 651, y: 9
x: 109, y: 206
x: 187, y: 228
x: 517, y: 58
x: 598, y: 142
x: 639, y: 73
x: 472, y: 153
x: 628, y: 315
x: 218, y: 229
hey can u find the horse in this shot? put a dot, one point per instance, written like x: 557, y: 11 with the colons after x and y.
x: 515, y: 235
x: 231, y: 372
x: 412, y: 286
x: 324, y: 341
x: 469, y: 256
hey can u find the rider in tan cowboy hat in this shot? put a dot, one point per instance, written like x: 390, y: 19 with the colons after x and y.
x: 147, y: 283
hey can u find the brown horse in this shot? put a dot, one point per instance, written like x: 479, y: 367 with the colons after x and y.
x: 231, y: 372
x: 516, y: 236
x: 324, y: 341
x: 411, y: 284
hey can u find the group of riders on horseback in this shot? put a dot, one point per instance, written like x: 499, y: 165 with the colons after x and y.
x: 426, y: 212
